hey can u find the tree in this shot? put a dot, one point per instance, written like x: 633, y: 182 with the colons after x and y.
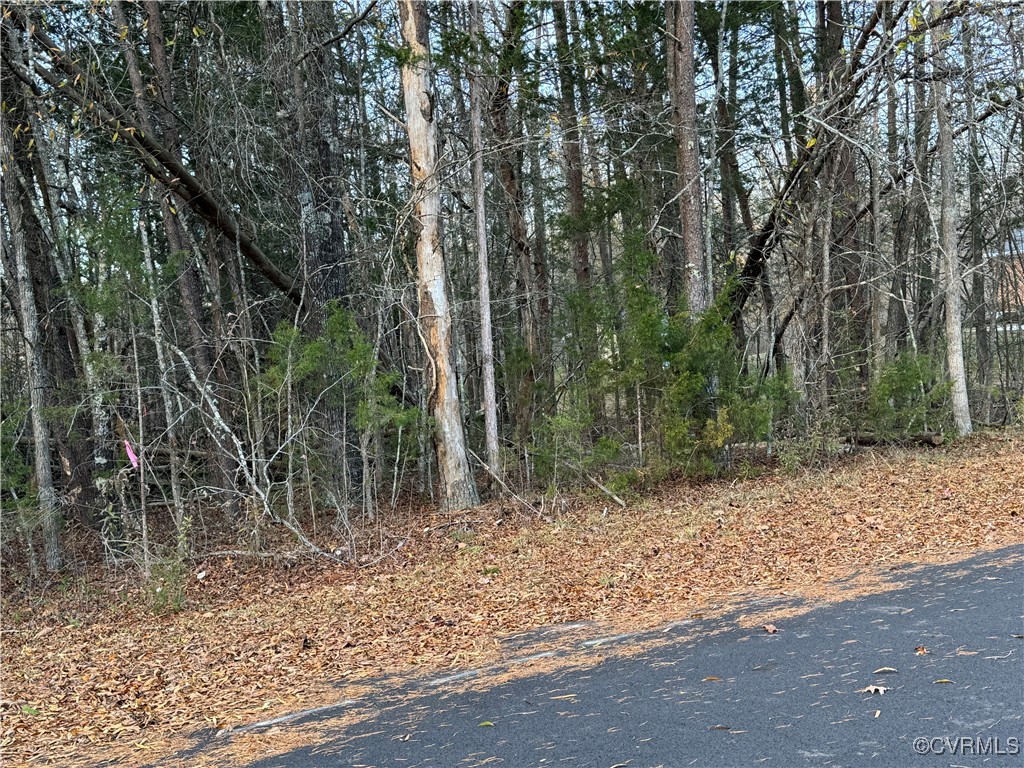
x: 682, y: 89
x: 948, y: 241
x: 434, y: 309
x: 490, y: 401
x: 14, y: 198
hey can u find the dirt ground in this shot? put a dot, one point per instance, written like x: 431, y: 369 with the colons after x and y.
x: 91, y: 672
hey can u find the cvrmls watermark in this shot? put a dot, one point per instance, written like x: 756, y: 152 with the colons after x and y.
x: 966, y: 745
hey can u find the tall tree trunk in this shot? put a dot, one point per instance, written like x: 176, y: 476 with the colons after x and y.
x: 15, y: 203
x: 948, y: 237
x: 792, y: 57
x: 880, y: 273
x: 531, y: 282
x: 779, y: 40
x: 573, y: 152
x: 680, y: 29
x: 979, y: 302
x: 490, y: 400
x: 434, y: 309
x: 585, y: 313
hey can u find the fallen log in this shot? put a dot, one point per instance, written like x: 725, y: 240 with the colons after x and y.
x: 930, y: 439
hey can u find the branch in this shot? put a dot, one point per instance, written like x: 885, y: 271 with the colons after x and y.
x: 340, y: 36
x: 154, y: 158
x: 909, y: 166
x: 807, y: 164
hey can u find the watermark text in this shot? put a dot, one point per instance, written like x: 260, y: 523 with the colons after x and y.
x: 967, y: 745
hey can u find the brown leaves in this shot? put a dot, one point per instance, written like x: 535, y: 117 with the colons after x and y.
x: 255, y: 642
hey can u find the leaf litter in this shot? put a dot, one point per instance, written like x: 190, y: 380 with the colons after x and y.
x: 94, y: 676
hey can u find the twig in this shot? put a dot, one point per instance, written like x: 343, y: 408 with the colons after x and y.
x: 243, y: 553
x: 400, y: 544
x: 341, y: 35
x: 453, y: 523
x: 597, y: 483
x: 501, y: 482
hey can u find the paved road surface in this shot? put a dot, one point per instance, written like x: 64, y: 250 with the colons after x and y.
x: 787, y: 699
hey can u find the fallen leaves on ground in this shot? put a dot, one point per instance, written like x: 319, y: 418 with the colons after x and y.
x: 95, y: 675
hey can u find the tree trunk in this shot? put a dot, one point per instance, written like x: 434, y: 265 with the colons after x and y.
x: 585, y: 314
x: 531, y: 278
x: 948, y: 238
x: 680, y: 28
x: 490, y: 401
x: 37, y: 380
x: 979, y: 303
x: 434, y: 310
x: 573, y: 153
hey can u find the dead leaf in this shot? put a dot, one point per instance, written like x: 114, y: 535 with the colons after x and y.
x: 937, y: 682
x: 885, y: 671
x: 771, y: 629
x: 133, y: 676
x: 711, y: 679
x: 879, y: 689
x: 486, y: 724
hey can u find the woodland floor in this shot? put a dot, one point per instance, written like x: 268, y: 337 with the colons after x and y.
x: 91, y: 673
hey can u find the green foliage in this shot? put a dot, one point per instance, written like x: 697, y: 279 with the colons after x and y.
x: 116, y: 271
x: 337, y: 368
x: 19, y: 496
x: 909, y: 396
x: 559, y: 439
x: 317, y: 379
x: 166, y: 586
x: 694, y: 400
x: 681, y: 373
x: 706, y: 400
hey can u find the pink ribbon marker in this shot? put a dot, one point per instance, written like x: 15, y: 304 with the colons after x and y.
x: 131, y: 454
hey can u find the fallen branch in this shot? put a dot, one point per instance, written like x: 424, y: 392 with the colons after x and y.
x: 930, y: 439
x: 597, y: 484
x: 501, y: 482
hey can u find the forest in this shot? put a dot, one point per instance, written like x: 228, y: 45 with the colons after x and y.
x: 276, y: 269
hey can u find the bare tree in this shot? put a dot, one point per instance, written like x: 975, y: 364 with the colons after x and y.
x: 490, y: 404
x: 682, y: 88
x: 15, y: 200
x: 434, y: 309
x: 948, y: 235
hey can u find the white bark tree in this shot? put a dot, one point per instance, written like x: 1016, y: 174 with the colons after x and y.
x: 435, y: 317
x: 952, y: 278
x: 36, y: 376
x: 476, y: 98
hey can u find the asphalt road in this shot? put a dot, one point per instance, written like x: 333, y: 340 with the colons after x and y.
x: 718, y: 694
